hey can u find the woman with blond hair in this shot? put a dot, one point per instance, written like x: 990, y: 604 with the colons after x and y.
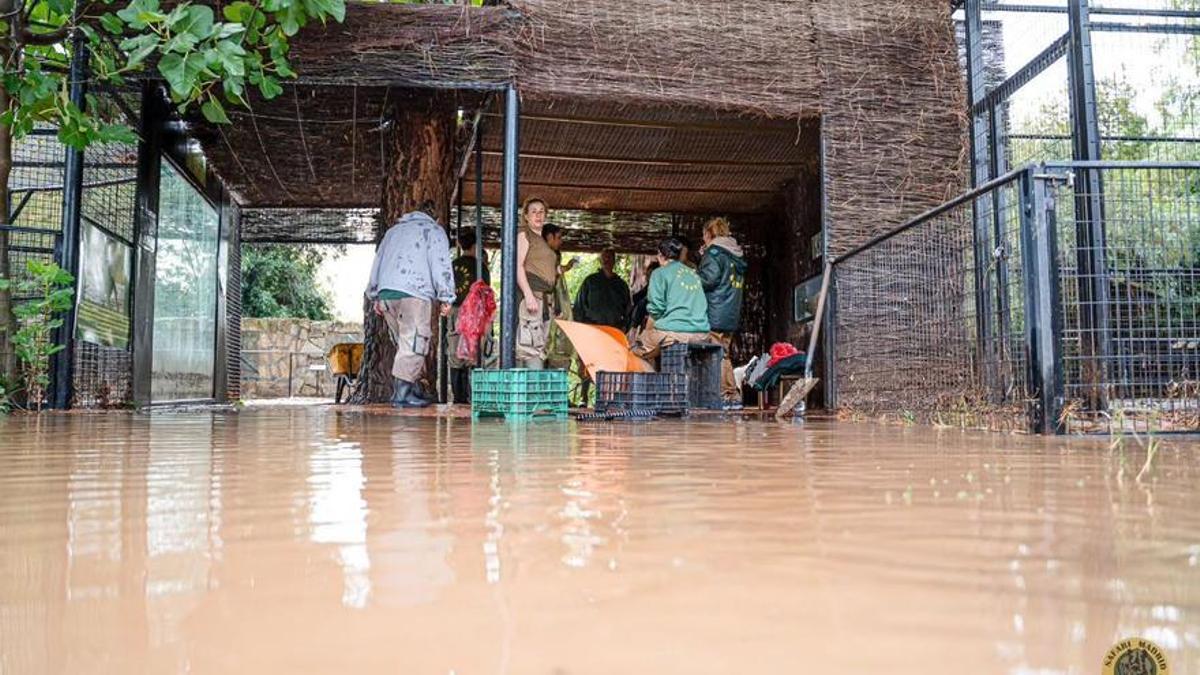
x: 723, y: 274
x: 537, y: 271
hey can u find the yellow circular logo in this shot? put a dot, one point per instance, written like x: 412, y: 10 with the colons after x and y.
x: 1135, y: 656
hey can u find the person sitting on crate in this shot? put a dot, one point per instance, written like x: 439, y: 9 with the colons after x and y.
x: 603, y: 300
x: 723, y: 273
x: 464, y: 267
x: 675, y: 302
x: 411, y: 270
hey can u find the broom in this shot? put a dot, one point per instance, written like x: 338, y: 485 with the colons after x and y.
x: 801, y: 388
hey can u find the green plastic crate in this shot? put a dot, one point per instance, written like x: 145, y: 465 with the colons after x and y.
x: 519, y: 393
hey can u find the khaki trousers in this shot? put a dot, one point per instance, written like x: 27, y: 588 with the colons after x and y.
x: 408, y: 321
x: 652, y: 340
x: 533, y: 329
x: 729, y: 388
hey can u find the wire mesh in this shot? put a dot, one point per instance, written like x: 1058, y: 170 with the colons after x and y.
x: 1131, y: 322
x: 930, y: 321
x: 103, y: 376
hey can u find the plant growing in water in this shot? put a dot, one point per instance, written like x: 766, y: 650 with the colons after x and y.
x: 52, y: 291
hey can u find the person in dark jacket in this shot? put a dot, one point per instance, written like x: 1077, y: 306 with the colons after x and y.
x: 603, y: 299
x: 638, y: 319
x: 723, y: 274
x: 464, y: 267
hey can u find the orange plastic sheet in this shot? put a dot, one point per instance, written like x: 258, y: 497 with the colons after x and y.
x: 602, y: 348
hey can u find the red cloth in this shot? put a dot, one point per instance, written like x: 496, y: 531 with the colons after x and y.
x: 474, y: 319
x: 780, y: 351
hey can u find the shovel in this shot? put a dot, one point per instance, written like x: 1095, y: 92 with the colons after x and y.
x: 801, y: 388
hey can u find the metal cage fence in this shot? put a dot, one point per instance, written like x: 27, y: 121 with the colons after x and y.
x: 1130, y: 294
x: 930, y: 318
x: 1061, y: 297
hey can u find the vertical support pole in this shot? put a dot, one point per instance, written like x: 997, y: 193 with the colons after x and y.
x: 980, y: 173
x: 1001, y: 250
x: 68, y: 254
x: 145, y: 236
x: 508, y: 230
x: 1089, y: 207
x: 481, y: 255
x: 1043, y: 325
x: 443, y: 366
x: 827, y: 258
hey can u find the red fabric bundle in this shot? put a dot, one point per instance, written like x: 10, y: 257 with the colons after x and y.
x: 474, y: 319
x: 780, y: 351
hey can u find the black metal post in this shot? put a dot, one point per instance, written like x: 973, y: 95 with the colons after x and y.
x: 1000, y: 251
x: 68, y: 254
x: 1043, y: 324
x: 508, y: 230
x: 443, y: 322
x: 830, y: 344
x: 155, y: 112
x: 980, y: 174
x: 1089, y: 206
x: 480, y: 255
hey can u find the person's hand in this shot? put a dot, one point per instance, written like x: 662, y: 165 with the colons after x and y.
x: 378, y: 307
x: 445, y: 309
x: 532, y: 305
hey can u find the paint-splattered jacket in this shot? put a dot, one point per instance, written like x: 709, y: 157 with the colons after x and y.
x: 414, y: 258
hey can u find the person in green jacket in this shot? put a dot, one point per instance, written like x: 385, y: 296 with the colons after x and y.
x: 723, y: 274
x: 675, y: 302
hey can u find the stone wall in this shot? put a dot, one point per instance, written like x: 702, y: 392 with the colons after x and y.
x: 282, y: 357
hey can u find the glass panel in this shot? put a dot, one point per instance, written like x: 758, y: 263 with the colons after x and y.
x: 185, y: 292
x: 104, y: 301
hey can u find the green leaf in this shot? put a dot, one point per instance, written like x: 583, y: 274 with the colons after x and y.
x: 118, y: 133
x: 112, y: 24
x: 180, y: 43
x: 140, y: 13
x: 214, y: 112
x: 270, y: 87
x: 181, y: 71
x: 239, y: 12
x: 283, y: 67
x: 139, y: 48
x: 197, y: 21
x: 224, y: 31
x: 235, y: 90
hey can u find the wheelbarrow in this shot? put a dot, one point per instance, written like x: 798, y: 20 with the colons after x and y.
x: 345, y: 358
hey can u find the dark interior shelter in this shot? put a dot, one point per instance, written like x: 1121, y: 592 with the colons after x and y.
x: 811, y: 125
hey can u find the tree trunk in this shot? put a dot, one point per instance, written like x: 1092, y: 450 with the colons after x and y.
x: 8, y: 322
x: 420, y: 166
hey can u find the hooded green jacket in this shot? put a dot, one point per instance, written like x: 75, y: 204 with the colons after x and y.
x: 723, y: 274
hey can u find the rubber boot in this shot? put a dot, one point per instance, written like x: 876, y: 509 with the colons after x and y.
x: 460, y: 382
x: 413, y: 399
x: 399, y: 392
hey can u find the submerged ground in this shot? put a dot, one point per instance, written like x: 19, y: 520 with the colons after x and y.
x: 314, y: 540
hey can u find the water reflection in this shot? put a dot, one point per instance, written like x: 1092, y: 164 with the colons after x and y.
x: 338, y: 515
x: 322, y: 541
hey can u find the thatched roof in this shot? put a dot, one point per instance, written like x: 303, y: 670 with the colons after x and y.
x: 638, y: 105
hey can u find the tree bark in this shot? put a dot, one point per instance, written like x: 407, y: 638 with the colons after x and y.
x: 419, y: 166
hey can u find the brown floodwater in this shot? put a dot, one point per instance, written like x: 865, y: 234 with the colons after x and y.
x: 313, y: 540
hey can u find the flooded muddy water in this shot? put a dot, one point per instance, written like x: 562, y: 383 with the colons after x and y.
x: 304, y: 540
